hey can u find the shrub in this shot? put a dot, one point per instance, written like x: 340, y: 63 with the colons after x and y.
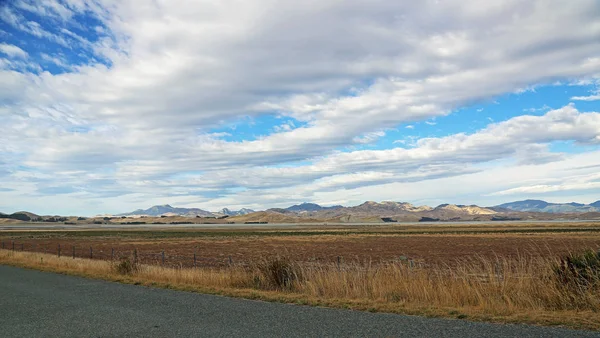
x: 579, y: 270
x: 126, y: 266
x: 279, y: 273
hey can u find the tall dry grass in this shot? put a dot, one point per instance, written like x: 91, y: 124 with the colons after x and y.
x: 497, y: 287
x: 500, y: 285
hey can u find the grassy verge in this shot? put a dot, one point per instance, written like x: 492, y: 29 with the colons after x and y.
x: 524, y: 290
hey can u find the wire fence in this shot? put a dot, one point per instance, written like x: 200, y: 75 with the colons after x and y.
x: 173, y: 258
x: 177, y: 259
x: 163, y: 257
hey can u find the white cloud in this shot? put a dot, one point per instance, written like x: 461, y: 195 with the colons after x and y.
x: 31, y: 27
x: 534, y: 110
x: 45, y: 8
x: 594, y: 97
x: 577, y: 183
x: 13, y: 51
x: 59, y: 61
x: 288, y: 126
x: 369, y: 137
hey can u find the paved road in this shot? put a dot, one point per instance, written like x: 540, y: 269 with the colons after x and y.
x: 36, y: 304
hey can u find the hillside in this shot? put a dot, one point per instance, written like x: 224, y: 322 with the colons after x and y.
x: 465, y: 209
x: 272, y: 217
x: 21, y: 216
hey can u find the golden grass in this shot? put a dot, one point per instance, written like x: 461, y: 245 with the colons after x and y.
x: 524, y: 289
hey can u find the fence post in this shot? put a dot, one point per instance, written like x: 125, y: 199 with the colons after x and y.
x: 13, y: 244
x: 339, y: 260
x: 194, y: 259
x: 112, y: 254
x: 73, y: 251
x: 22, y: 247
x: 230, y: 261
x: 135, y: 257
x: 163, y: 258
x: 91, y: 253
x: 59, y: 251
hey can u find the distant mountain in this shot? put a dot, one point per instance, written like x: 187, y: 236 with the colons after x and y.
x: 526, y: 205
x: 543, y: 206
x: 241, y: 212
x: 308, y: 207
x: 167, y: 210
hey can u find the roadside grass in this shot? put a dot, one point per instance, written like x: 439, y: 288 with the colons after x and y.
x: 525, y: 289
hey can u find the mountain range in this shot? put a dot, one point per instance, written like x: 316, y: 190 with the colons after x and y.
x: 400, y: 210
x: 167, y: 210
x: 543, y: 206
x: 370, y: 211
x: 309, y: 212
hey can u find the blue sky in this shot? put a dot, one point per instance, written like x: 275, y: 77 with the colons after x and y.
x: 116, y: 106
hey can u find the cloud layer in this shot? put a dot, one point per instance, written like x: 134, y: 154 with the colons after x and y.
x: 123, y: 111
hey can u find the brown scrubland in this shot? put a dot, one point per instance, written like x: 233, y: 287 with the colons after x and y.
x: 539, y: 278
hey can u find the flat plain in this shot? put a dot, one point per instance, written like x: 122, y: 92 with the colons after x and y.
x: 217, y: 246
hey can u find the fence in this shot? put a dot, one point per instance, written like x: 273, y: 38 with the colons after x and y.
x: 154, y: 258
x: 162, y: 258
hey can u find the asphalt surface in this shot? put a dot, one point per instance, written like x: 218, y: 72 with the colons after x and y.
x: 41, y: 304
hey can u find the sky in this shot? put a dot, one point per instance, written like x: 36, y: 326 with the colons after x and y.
x: 109, y: 106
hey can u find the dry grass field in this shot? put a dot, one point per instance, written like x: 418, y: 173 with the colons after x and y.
x: 444, y: 244
x: 503, y: 273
